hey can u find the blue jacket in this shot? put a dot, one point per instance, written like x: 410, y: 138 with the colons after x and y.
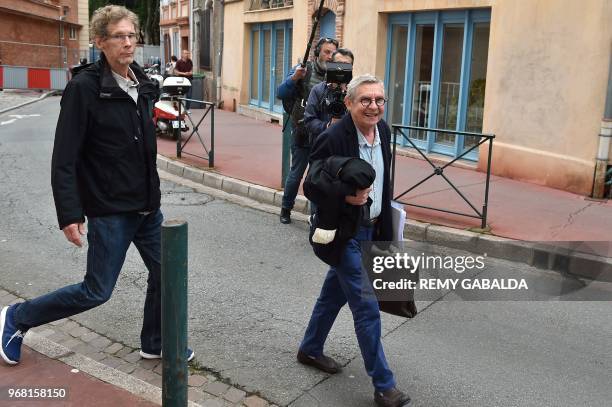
x: 316, y: 118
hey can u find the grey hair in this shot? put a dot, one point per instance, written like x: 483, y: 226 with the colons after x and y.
x: 110, y: 14
x: 357, y: 81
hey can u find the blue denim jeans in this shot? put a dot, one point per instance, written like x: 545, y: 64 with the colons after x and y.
x: 344, y: 284
x: 299, y: 162
x: 109, y: 238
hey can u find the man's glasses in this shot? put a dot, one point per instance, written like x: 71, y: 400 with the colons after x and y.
x: 366, y: 102
x: 123, y: 37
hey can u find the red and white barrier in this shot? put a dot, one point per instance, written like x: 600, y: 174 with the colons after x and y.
x: 21, y: 77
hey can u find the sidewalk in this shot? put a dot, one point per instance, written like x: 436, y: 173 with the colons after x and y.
x: 42, y: 373
x: 108, y: 373
x: 250, y: 150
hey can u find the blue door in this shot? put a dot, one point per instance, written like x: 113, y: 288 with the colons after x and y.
x: 328, y: 25
x: 436, y: 76
x: 270, y: 62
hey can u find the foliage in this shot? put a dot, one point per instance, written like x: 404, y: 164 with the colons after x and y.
x: 147, y: 11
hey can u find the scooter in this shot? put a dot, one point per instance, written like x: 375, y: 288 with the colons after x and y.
x: 165, y: 111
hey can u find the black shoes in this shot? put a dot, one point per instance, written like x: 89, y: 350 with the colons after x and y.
x: 285, y: 216
x: 392, y: 398
x: 324, y: 363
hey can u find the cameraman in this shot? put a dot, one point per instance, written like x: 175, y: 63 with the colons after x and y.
x: 294, y: 92
x: 317, y: 116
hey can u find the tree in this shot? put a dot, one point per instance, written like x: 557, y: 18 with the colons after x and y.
x: 147, y: 12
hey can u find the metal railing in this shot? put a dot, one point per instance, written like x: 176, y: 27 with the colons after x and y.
x: 267, y: 4
x: 439, y: 170
x: 209, y: 107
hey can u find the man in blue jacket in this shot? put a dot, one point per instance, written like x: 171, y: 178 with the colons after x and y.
x: 362, y: 133
x: 299, y: 84
x: 103, y: 169
x: 317, y: 117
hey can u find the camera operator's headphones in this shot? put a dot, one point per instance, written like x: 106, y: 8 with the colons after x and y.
x: 324, y: 40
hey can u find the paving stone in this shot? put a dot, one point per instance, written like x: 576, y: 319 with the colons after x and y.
x: 59, y: 322
x: 84, y: 349
x: 79, y: 331
x: 213, y: 403
x: 112, y: 361
x: 46, y: 332
x: 132, y: 357
x: 234, y: 395
x: 255, y: 401
x: 97, y: 356
x: 90, y: 336
x: 196, y: 380
x: 71, y: 343
x: 101, y: 342
x: 68, y: 326
x: 114, y: 348
x: 125, y: 351
x: 144, y: 374
x: 159, y: 368
x: 127, y: 367
x: 59, y: 337
x: 216, y: 388
x: 148, y: 364
x: 195, y: 395
x: 8, y: 298
x: 156, y: 381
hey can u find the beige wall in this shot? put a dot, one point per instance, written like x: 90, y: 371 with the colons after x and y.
x: 546, y: 80
x: 546, y: 83
x: 233, y: 64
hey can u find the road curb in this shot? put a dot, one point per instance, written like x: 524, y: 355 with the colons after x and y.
x: 29, y: 102
x: 95, y: 369
x: 564, y: 260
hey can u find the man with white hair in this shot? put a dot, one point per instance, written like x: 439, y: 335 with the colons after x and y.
x: 363, y: 134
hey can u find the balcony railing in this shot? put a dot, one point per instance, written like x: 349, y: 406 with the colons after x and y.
x: 268, y: 4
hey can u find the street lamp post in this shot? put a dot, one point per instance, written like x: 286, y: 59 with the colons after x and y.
x: 61, y: 42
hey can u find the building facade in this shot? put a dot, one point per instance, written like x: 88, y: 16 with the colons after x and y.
x: 174, y: 23
x: 532, y: 72
x: 45, y: 34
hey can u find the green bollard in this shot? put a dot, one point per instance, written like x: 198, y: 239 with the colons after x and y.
x: 286, y: 158
x: 174, y: 313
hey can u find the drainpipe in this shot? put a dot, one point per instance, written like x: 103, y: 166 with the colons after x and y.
x: 603, y: 152
x: 219, y: 54
x: 190, y: 27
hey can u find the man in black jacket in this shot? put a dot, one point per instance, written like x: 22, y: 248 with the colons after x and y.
x: 103, y: 168
x: 363, y: 134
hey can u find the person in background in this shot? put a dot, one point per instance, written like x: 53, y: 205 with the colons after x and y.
x: 184, y: 68
x: 301, y: 80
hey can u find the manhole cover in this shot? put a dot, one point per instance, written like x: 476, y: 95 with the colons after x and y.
x: 185, y: 199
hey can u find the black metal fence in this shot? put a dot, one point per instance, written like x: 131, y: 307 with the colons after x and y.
x: 439, y: 170
x: 209, y: 108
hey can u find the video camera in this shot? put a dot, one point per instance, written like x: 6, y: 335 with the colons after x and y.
x: 338, y: 73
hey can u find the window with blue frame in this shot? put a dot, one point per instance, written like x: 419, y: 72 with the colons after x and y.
x: 270, y: 62
x: 436, y: 76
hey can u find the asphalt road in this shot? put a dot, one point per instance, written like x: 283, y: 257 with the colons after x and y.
x: 252, y: 285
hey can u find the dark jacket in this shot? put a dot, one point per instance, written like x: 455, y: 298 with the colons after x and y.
x: 328, y: 182
x: 316, y: 118
x: 104, y: 155
x: 341, y: 139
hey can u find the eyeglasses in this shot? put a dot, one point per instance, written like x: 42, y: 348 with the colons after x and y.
x: 366, y: 102
x: 123, y: 37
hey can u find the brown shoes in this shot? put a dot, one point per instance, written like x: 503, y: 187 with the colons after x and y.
x: 324, y: 363
x: 392, y: 398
